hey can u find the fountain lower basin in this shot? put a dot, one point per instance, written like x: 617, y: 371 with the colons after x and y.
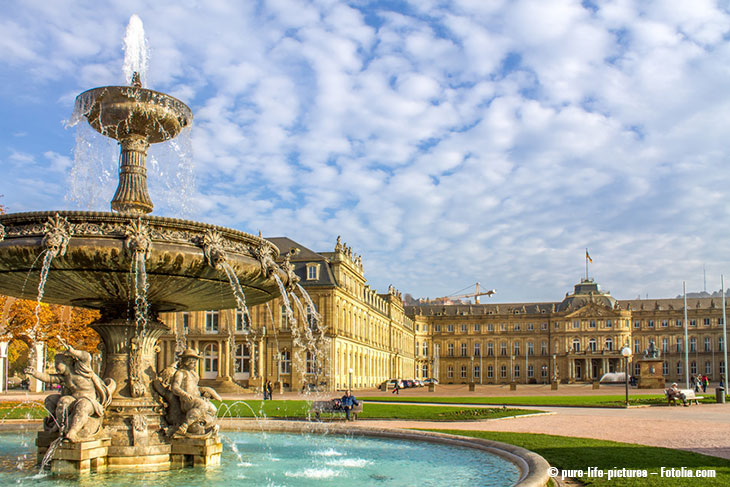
x: 364, y: 457
x: 94, y: 270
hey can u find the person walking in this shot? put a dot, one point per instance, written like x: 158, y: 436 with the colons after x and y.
x: 396, y: 388
x: 705, y: 383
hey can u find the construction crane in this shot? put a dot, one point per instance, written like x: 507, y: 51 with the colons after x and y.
x: 474, y: 295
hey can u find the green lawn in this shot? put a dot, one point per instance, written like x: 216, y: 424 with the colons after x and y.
x: 581, y: 453
x: 584, y: 401
x: 300, y: 409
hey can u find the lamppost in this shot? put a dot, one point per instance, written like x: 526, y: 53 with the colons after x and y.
x: 626, y: 353
x: 472, y: 369
x: 350, y: 371
x: 512, y: 367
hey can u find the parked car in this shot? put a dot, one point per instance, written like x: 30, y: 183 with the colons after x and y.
x: 390, y: 384
x: 430, y: 380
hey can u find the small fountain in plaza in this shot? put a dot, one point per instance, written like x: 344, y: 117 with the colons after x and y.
x: 132, y: 266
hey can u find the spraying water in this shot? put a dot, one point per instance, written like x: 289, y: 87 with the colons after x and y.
x: 136, y: 51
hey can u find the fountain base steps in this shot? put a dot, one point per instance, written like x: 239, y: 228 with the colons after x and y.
x: 100, y: 455
x: 197, y: 452
x: 224, y: 385
x: 74, y: 458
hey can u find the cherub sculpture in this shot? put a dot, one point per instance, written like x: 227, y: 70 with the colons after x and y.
x: 77, y: 412
x: 188, y: 411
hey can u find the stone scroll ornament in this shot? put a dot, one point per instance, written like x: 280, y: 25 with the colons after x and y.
x: 57, y: 233
x: 139, y: 239
x: 265, y: 255
x: 136, y: 384
x: 2, y: 232
x: 77, y: 412
x: 188, y: 410
x: 213, y: 248
x: 288, y: 267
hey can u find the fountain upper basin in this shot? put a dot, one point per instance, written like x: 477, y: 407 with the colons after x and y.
x: 95, y: 269
x: 121, y: 111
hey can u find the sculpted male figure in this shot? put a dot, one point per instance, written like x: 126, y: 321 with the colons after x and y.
x: 83, y: 394
x: 198, y: 413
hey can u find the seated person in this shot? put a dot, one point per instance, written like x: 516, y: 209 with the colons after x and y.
x: 674, y: 393
x: 348, y: 401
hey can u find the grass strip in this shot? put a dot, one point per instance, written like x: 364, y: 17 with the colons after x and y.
x: 568, y: 453
x: 301, y: 409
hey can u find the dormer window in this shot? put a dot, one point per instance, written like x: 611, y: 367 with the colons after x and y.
x: 312, y: 272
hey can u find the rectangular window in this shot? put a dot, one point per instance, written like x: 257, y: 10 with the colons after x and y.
x: 450, y: 372
x: 530, y: 371
x: 477, y: 372
x: 708, y: 368
x: 477, y: 327
x: 503, y: 372
x: 518, y: 327
x: 437, y: 328
x: 576, y: 324
x: 503, y: 327
x: 285, y: 362
x: 530, y: 327
x: 517, y: 371
x: 283, y: 319
x: 665, y: 323
x: 679, y: 323
x: 530, y: 348
x: 312, y: 272
x: 464, y: 328
x: 708, y: 344
x: 186, y: 322
x: 425, y: 349
x: 651, y: 324
x: 693, y: 368
x: 451, y: 328
x: 665, y: 345
x: 450, y: 349
x: 693, y: 344
x: 679, y: 345
x: 463, y: 371
x: 637, y: 347
x: 692, y: 322
x: 477, y: 349
x: 544, y: 326
x: 719, y: 321
x: 665, y: 368
x: 490, y: 349
x: 211, y: 321
x: 592, y: 324
x: 490, y: 371
x: 490, y: 327
x: 637, y: 324
x: 311, y: 363
x: 707, y: 322
x: 503, y: 348
x: 543, y: 348
x: 464, y: 350
x: 609, y: 323
x: 679, y: 367
x: 516, y: 348
x: 241, y: 321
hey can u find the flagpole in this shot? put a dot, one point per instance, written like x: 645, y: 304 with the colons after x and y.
x: 686, y: 342
x: 724, y: 330
x: 586, y: 263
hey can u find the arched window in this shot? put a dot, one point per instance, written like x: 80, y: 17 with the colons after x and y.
x: 609, y: 343
x: 592, y: 345
x: 576, y: 345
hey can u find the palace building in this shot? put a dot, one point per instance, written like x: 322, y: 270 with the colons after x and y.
x: 575, y: 340
x: 361, y: 339
x: 364, y: 337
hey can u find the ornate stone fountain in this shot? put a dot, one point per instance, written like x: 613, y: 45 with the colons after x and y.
x: 131, y: 267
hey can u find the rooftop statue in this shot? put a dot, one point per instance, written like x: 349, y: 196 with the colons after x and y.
x: 188, y: 411
x: 76, y: 412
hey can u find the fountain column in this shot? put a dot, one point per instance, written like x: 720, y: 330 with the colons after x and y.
x: 132, y: 195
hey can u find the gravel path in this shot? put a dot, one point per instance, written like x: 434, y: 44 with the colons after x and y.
x: 703, y: 429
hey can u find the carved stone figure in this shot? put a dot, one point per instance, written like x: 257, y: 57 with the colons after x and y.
x: 652, y: 351
x: 188, y: 410
x: 76, y: 412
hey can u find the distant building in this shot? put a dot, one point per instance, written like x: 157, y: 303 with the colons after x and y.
x: 577, y: 339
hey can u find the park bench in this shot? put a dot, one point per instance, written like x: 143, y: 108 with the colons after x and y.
x: 688, y: 393
x: 333, y: 406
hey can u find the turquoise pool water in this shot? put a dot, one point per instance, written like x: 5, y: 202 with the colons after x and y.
x: 277, y: 459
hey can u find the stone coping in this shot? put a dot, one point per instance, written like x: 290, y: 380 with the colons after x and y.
x: 533, y: 468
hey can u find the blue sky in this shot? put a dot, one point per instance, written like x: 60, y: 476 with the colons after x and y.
x: 446, y: 142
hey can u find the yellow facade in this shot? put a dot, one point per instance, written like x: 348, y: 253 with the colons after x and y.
x: 364, y: 337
